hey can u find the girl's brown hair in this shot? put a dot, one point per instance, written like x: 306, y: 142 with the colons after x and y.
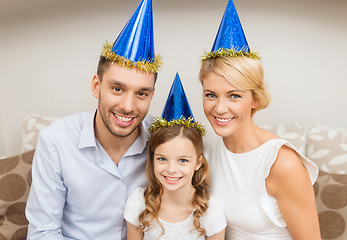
x: 200, y: 180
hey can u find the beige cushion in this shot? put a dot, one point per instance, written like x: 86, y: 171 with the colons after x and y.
x: 327, y: 147
x: 31, y: 127
x: 15, y: 181
x: 294, y: 133
x: 331, y: 199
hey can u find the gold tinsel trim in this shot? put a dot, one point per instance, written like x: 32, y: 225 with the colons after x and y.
x: 144, y: 66
x: 230, y: 53
x: 160, y: 123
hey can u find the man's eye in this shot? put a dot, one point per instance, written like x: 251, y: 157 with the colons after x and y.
x: 143, y: 94
x: 116, y: 89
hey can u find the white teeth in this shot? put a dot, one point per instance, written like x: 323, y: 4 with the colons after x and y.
x: 171, y: 178
x: 123, y: 119
x: 224, y: 119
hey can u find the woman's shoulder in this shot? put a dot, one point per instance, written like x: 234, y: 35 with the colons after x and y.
x: 290, y: 164
x: 264, y: 136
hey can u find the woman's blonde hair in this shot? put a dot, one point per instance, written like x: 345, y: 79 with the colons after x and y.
x: 242, y: 72
x: 200, y: 180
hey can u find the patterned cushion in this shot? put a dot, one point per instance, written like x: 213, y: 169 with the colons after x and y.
x: 295, y: 133
x: 331, y: 199
x: 31, y: 127
x: 327, y: 147
x: 15, y: 181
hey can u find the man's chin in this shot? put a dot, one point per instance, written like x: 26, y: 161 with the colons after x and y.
x: 124, y: 132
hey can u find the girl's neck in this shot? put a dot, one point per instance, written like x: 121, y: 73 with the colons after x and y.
x: 176, y: 206
x: 180, y: 197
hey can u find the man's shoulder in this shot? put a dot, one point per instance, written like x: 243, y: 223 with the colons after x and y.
x: 65, y: 125
x: 148, y: 119
x: 146, y: 122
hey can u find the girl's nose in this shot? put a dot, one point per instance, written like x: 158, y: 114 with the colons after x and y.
x: 171, y: 167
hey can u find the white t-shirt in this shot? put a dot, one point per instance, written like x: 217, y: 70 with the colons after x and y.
x: 213, y: 221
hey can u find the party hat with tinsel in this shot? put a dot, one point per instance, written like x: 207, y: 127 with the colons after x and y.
x: 177, y: 110
x: 230, y: 39
x: 134, y: 47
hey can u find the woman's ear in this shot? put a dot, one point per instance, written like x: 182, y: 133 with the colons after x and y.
x: 255, y: 103
x: 198, y: 163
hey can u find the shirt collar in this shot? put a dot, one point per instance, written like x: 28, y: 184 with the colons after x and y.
x: 141, y: 142
x: 87, y: 138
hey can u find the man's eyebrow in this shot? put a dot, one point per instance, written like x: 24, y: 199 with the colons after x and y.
x: 116, y: 82
x: 147, y: 89
x: 119, y: 83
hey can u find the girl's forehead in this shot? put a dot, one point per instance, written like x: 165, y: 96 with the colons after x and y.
x: 176, y: 144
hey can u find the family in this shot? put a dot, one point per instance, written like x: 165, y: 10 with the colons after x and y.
x: 118, y: 173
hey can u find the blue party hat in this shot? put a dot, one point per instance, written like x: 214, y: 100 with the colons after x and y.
x: 176, y: 105
x: 230, y: 39
x: 134, y: 47
x: 177, y: 110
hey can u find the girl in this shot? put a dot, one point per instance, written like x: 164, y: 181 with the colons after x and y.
x: 176, y: 204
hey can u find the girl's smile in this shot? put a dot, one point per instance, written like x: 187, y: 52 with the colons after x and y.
x: 175, y: 162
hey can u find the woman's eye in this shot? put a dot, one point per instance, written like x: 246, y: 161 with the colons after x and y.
x: 210, y: 95
x: 235, y: 96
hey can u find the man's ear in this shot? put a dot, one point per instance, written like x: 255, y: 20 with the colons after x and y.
x: 152, y: 94
x: 96, y: 86
x: 198, y: 163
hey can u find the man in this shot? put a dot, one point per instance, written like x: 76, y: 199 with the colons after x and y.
x: 86, y: 165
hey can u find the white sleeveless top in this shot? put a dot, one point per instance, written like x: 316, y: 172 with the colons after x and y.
x: 238, y: 183
x: 213, y: 221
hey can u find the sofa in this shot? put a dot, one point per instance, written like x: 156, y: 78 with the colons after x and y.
x: 324, y: 145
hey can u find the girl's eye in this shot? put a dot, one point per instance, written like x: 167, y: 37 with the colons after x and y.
x: 161, y: 159
x: 183, y: 160
x: 235, y: 96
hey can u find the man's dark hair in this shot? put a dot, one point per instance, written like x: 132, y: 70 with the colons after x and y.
x: 104, y: 64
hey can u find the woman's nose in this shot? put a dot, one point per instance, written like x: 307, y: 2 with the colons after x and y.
x: 220, y: 106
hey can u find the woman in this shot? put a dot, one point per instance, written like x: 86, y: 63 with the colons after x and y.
x: 263, y: 183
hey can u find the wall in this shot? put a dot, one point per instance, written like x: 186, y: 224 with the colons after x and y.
x: 49, y: 54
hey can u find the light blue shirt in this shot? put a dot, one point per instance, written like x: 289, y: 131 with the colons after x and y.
x: 77, y: 191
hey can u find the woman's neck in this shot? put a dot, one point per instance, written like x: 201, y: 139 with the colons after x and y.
x: 245, y: 139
